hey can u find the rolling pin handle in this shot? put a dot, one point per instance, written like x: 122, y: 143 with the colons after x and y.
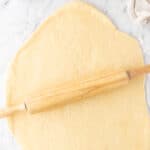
x: 12, y: 110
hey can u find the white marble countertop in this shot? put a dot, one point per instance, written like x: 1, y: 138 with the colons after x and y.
x: 19, y: 18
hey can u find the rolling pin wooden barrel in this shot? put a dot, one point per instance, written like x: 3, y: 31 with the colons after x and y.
x: 75, y: 91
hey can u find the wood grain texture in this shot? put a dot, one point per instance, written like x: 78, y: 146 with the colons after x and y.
x: 73, y: 91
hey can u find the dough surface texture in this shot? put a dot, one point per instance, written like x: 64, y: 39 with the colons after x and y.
x: 75, y: 41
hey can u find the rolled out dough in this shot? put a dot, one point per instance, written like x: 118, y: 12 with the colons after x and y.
x: 75, y: 41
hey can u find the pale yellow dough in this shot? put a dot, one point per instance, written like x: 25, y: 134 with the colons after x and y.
x: 75, y: 41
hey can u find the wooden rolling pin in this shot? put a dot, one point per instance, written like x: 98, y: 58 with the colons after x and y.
x: 75, y: 90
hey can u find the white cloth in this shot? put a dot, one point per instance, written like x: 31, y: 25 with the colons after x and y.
x: 140, y: 10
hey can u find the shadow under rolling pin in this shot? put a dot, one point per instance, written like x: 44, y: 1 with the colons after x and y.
x: 75, y: 90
